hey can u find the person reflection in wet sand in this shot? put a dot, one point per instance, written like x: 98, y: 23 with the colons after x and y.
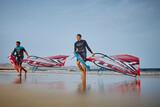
x: 18, y: 79
x: 132, y: 87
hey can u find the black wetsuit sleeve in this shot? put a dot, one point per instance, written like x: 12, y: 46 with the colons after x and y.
x: 13, y: 52
x: 88, y: 47
x: 75, y: 47
x: 24, y: 49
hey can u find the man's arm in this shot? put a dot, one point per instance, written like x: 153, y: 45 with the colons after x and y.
x: 26, y: 52
x: 13, y: 52
x: 75, y: 47
x: 88, y: 47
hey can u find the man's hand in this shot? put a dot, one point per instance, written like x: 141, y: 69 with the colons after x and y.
x: 26, y: 53
x: 93, y: 54
x: 27, y: 56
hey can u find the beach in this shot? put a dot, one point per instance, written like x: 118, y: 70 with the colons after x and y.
x: 62, y: 88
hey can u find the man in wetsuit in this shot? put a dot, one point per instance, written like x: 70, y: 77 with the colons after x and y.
x: 80, y: 48
x: 18, y: 52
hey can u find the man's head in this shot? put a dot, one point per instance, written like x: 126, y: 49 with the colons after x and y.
x: 79, y: 36
x: 18, y: 43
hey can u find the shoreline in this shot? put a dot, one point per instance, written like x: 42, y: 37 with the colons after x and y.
x: 73, y: 69
x: 65, y: 71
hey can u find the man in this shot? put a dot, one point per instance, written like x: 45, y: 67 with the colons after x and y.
x: 80, y: 48
x: 18, y: 52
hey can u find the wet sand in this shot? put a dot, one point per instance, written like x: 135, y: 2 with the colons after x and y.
x: 67, y: 89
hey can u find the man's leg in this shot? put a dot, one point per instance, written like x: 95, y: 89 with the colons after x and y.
x: 16, y: 67
x: 20, y: 71
x: 83, y: 75
x: 82, y: 69
x: 22, y: 68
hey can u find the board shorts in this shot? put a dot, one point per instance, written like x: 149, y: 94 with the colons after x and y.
x: 19, y: 60
x: 83, y: 56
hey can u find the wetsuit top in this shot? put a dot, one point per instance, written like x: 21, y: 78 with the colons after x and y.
x: 80, y: 47
x: 19, y: 51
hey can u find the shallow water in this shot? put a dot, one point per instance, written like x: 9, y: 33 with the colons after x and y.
x: 70, y: 89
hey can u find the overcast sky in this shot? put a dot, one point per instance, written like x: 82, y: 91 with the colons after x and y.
x: 48, y: 27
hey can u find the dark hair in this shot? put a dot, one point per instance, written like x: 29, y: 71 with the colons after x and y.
x: 18, y: 42
x: 79, y: 35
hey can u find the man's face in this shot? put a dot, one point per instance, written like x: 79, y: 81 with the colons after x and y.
x: 17, y: 44
x: 78, y: 38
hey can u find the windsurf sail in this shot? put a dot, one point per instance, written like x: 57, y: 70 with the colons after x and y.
x: 51, y: 61
x: 12, y: 60
x: 125, y: 64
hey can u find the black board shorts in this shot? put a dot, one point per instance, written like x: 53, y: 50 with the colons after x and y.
x: 83, y: 56
x: 19, y: 60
